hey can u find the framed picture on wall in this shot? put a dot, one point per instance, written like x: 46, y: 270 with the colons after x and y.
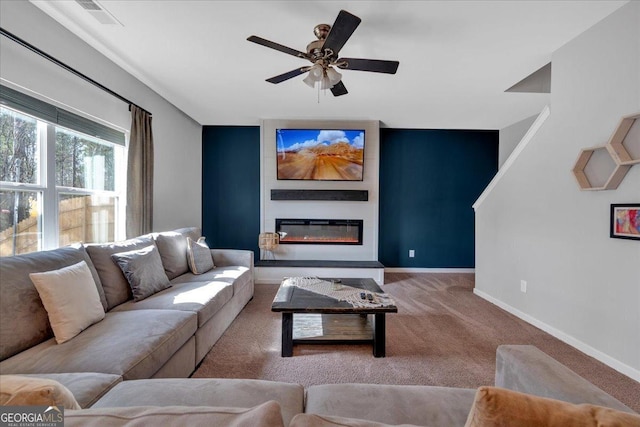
x: 625, y: 221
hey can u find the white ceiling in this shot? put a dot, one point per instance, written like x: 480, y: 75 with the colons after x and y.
x: 456, y: 57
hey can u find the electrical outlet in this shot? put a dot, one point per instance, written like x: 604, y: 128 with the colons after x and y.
x: 523, y: 286
x: 412, y: 253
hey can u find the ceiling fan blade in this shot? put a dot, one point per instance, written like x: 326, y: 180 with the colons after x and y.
x: 288, y: 75
x: 373, y: 65
x: 341, y: 30
x: 339, y: 89
x: 277, y: 46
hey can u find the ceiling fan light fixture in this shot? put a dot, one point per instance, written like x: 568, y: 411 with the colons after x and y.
x: 325, y: 83
x: 310, y: 80
x: 334, y: 76
x: 317, y: 71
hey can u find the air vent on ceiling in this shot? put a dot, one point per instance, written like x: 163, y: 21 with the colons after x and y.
x: 97, y: 11
x: 88, y: 4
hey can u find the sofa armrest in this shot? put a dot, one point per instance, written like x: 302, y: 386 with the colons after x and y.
x: 226, y: 257
x: 527, y: 369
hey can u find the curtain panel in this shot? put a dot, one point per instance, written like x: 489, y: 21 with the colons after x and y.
x: 140, y: 174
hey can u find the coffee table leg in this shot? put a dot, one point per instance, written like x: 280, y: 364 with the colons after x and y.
x: 287, y: 334
x: 379, y: 335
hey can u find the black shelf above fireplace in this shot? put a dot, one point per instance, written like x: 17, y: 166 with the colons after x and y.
x: 330, y: 195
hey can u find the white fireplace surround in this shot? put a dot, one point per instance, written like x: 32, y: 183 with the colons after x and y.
x: 364, y: 210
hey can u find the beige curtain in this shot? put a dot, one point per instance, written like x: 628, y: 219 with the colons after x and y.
x: 140, y: 174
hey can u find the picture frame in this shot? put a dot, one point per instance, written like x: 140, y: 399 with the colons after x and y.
x: 624, y: 222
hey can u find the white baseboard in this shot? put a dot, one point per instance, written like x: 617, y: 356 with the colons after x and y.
x: 428, y: 270
x: 585, y: 348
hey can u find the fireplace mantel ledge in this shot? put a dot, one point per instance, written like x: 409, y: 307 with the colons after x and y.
x: 317, y: 263
x: 273, y: 271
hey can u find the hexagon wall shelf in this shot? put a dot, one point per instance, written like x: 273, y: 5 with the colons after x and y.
x: 624, y: 144
x: 604, y: 167
x: 596, y: 169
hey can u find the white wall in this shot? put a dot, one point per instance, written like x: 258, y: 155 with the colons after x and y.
x: 511, y: 136
x: 367, y: 211
x: 177, y: 174
x: 536, y: 225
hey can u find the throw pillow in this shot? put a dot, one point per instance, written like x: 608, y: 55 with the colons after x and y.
x: 496, y: 407
x: 71, y: 299
x: 173, y: 248
x: 199, y: 256
x: 115, y: 285
x: 17, y: 390
x: 143, y: 270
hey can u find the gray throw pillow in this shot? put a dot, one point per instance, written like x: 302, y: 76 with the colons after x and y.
x: 199, y: 256
x: 173, y: 248
x: 143, y: 270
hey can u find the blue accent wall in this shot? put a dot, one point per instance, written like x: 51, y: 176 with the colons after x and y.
x: 429, y: 180
x: 231, y: 186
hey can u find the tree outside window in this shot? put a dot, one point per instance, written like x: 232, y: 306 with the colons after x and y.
x: 85, y: 187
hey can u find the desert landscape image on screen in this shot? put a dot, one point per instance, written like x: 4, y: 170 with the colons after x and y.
x: 325, y: 155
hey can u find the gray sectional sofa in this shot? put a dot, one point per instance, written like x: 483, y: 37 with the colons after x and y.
x: 521, y: 368
x: 164, y: 335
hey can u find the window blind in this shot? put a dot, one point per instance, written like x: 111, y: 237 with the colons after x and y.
x: 50, y: 113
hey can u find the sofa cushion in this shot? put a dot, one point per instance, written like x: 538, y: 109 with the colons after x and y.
x: 173, y: 252
x: 237, y: 276
x: 203, y: 298
x: 18, y: 390
x: 23, y: 319
x: 86, y: 387
x: 133, y: 344
x: 206, y: 391
x: 495, y: 407
x: 70, y: 297
x: 143, y: 270
x: 115, y: 285
x: 315, y: 420
x: 199, y: 256
x: 394, y: 404
x: 264, y: 415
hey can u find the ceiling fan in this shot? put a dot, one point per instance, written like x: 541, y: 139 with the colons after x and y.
x: 323, y: 54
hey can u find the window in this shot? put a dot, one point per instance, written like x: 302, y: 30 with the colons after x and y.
x: 58, y: 185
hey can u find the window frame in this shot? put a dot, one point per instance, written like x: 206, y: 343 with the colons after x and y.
x: 49, y: 193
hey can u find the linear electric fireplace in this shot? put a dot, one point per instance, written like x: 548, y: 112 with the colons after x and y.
x: 320, y: 231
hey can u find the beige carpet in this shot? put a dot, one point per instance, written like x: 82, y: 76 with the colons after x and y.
x: 442, y: 335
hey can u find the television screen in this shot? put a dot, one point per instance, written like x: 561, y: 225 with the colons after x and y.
x: 320, y: 154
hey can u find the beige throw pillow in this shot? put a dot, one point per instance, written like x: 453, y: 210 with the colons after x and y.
x: 199, y: 256
x: 17, y: 390
x: 71, y: 299
x: 498, y: 407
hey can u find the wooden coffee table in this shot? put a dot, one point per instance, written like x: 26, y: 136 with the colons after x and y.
x: 292, y: 300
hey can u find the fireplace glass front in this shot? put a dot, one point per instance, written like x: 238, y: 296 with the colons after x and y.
x: 320, y: 231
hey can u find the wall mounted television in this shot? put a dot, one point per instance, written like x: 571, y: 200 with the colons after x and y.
x: 320, y: 154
